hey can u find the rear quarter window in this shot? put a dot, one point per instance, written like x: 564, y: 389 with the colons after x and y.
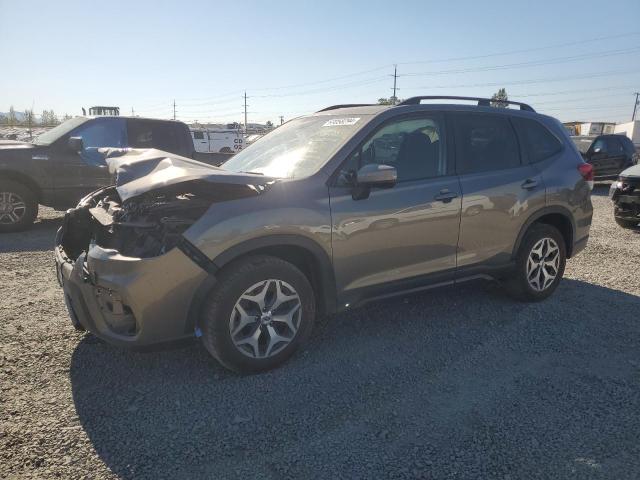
x: 537, y: 141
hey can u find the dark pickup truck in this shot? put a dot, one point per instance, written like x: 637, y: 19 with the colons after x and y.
x: 608, y: 154
x: 61, y: 166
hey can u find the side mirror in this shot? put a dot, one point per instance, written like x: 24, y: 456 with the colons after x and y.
x: 75, y: 144
x: 377, y: 175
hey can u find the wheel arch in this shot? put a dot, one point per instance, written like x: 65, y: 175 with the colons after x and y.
x: 24, y: 180
x: 304, y: 253
x: 558, y: 217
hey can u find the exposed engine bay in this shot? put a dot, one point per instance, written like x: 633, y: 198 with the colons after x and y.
x: 144, y: 226
x: 156, y: 197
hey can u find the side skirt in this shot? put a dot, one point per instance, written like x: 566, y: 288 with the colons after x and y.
x: 363, y: 296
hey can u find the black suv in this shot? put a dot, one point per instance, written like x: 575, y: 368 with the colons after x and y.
x: 609, y: 154
x: 62, y: 165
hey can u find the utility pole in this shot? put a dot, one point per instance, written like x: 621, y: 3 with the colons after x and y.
x: 635, y: 106
x: 281, y: 119
x: 174, y: 108
x: 245, y: 112
x: 133, y: 112
x: 395, y: 79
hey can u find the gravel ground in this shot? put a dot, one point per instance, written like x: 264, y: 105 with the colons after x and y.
x: 456, y: 383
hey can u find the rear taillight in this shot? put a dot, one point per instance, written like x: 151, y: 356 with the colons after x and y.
x: 586, y: 170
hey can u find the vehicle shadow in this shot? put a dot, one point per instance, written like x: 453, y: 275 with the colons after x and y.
x: 178, y: 413
x: 40, y: 237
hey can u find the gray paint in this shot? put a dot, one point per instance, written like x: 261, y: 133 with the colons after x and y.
x: 395, y: 239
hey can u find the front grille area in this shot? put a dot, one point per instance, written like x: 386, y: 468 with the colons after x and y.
x: 117, y: 315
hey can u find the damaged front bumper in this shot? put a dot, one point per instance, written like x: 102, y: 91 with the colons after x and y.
x: 129, y: 301
x: 625, y: 194
x: 129, y: 275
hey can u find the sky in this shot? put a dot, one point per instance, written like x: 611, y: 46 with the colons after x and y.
x: 575, y: 60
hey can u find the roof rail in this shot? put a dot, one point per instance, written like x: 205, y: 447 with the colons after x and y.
x: 482, y: 102
x: 347, y: 105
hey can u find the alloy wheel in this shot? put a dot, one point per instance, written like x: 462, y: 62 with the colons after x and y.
x: 12, y: 208
x: 265, y: 319
x: 543, y: 264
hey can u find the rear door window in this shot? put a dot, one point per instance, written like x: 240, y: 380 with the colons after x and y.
x: 538, y: 142
x: 165, y: 136
x: 614, y: 146
x: 484, y: 143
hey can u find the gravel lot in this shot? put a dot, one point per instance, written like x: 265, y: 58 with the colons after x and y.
x: 455, y: 383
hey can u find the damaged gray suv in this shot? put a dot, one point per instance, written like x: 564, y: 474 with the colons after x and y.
x: 330, y: 210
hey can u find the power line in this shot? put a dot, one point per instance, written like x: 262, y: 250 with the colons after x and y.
x: 328, y: 89
x: 212, y: 99
x: 524, y: 50
x: 533, y: 63
x: 588, y: 107
x: 563, y: 92
x: 529, y: 82
x: 579, y: 99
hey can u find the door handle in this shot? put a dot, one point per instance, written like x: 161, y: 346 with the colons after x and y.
x: 445, y: 196
x: 528, y: 184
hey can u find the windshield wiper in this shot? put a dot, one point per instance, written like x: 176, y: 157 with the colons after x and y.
x: 253, y: 173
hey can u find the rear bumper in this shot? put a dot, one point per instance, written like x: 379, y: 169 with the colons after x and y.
x: 129, y: 301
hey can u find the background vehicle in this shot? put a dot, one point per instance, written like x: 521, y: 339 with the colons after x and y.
x: 326, y: 212
x: 104, y: 111
x: 62, y: 165
x: 609, y: 154
x: 625, y: 194
x: 217, y: 141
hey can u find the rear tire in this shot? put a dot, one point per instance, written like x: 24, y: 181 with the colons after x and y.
x: 261, y: 311
x: 18, y: 206
x: 540, y: 263
x: 630, y: 224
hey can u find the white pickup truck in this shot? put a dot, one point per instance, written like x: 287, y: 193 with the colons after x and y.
x: 217, y: 141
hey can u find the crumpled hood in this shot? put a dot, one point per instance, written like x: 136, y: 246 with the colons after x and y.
x: 631, y: 172
x: 139, y: 171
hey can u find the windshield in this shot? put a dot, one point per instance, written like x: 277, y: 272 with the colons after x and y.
x: 583, y: 143
x: 298, y: 148
x: 55, y: 133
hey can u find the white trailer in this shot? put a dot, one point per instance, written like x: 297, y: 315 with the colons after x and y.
x: 631, y: 130
x: 596, y: 128
x: 217, y: 141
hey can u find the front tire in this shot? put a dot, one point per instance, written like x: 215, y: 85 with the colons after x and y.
x: 260, y: 313
x: 540, y: 263
x: 18, y: 206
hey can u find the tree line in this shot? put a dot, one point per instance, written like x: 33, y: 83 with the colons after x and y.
x: 28, y: 118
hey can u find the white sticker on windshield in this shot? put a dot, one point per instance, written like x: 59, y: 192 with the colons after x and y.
x: 338, y: 122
